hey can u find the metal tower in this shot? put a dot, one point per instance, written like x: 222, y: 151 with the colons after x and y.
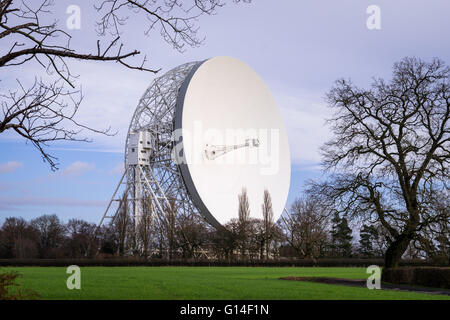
x: 150, y: 172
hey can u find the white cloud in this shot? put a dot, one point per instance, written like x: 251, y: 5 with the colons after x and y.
x: 10, y: 166
x: 118, y: 169
x: 110, y: 96
x: 88, y: 150
x: 78, y: 168
x: 304, y: 116
x: 12, y: 203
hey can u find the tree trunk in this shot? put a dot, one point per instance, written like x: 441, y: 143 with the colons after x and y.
x: 261, y: 250
x: 395, y: 251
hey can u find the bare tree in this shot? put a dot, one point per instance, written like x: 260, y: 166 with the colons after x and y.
x: 192, y: 235
x: 46, y: 110
x: 122, y: 222
x: 267, y: 220
x: 171, y: 226
x: 391, y: 150
x: 81, y: 240
x: 145, y: 226
x: 243, y: 220
x: 18, y: 239
x: 50, y: 235
x: 226, y: 240
x: 305, y: 229
x: 433, y: 240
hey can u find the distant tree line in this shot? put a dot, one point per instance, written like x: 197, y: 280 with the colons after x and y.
x: 46, y: 237
x: 313, y: 232
x: 309, y: 231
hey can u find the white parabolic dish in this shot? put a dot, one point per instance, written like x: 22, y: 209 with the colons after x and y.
x: 221, y: 104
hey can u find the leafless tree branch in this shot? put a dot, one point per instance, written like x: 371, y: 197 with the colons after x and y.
x: 39, y: 113
x: 390, y: 155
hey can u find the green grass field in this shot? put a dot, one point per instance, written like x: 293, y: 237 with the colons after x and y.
x: 202, y: 283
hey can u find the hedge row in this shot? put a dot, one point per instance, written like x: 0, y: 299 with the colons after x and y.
x: 421, y: 276
x: 157, y: 262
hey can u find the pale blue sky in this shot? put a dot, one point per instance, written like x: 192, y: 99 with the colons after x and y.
x: 298, y: 47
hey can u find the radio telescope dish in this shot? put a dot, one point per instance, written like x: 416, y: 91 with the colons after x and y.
x: 223, y: 103
x: 202, y: 133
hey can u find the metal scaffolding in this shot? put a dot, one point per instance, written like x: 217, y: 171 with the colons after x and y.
x: 160, y: 179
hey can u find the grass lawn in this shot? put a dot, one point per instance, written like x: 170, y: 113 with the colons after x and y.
x: 202, y: 283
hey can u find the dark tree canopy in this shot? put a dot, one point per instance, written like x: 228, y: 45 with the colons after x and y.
x: 341, y: 237
x: 390, y: 155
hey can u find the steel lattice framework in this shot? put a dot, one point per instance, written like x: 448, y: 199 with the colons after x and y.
x: 161, y: 179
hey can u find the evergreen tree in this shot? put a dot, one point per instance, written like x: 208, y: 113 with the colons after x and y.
x: 345, y: 238
x: 341, y: 236
x: 334, y: 234
x: 367, y: 235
